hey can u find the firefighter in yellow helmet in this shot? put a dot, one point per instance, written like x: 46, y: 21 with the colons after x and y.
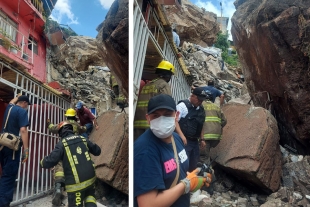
x: 58, y: 171
x: 157, y: 86
x: 79, y: 170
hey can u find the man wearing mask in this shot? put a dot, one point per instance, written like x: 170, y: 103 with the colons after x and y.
x: 189, y: 127
x: 160, y: 85
x: 86, y: 119
x: 15, y: 121
x: 160, y: 160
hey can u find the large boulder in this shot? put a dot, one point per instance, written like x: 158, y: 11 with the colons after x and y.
x: 113, y: 42
x: 193, y: 24
x: 272, y: 40
x: 250, y: 147
x: 112, y: 138
x: 77, y: 54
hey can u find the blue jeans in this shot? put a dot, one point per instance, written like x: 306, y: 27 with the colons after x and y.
x: 192, y: 151
x: 9, y: 174
x: 89, y: 129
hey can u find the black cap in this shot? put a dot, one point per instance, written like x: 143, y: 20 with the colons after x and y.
x: 23, y: 98
x: 211, y: 83
x: 161, y: 101
x: 200, y: 93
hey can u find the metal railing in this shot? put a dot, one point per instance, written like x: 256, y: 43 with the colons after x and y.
x: 34, y: 181
x: 142, y: 34
x: 38, y: 4
x: 17, y: 40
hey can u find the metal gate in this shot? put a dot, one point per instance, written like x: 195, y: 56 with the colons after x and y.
x: 32, y: 180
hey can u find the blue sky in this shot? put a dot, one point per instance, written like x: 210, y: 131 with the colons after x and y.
x: 214, y: 6
x: 83, y: 16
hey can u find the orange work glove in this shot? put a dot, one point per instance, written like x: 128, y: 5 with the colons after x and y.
x: 193, y: 182
x: 25, y: 155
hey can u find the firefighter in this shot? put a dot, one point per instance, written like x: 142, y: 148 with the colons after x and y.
x: 213, y: 126
x: 58, y: 171
x: 157, y: 86
x: 79, y: 171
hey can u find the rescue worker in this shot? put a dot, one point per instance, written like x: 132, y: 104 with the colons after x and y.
x: 59, y: 177
x: 189, y: 127
x: 212, y: 128
x: 215, y: 92
x: 121, y: 100
x: 114, y: 85
x: 73, y: 150
x: 211, y: 133
x: 155, y: 87
x: 86, y: 118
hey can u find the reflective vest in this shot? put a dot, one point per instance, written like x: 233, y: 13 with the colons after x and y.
x: 113, y: 81
x: 191, y: 125
x: 77, y: 129
x: 77, y: 164
x: 153, y: 88
x: 214, y: 121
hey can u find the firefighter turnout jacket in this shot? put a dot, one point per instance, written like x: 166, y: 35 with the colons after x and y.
x: 78, y: 167
x: 77, y: 129
x: 152, y: 88
x: 191, y: 125
x: 214, y: 122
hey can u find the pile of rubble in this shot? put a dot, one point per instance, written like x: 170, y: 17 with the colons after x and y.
x: 77, y: 66
x: 91, y: 86
x: 206, y: 63
x: 228, y: 191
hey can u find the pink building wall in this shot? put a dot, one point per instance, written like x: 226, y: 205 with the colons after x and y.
x: 38, y: 67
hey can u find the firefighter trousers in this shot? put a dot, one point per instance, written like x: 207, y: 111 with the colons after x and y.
x: 87, y: 196
x: 59, y: 175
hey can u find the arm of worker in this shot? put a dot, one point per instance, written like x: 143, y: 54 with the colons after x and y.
x: 96, y: 123
x: 222, y: 99
x: 51, y: 127
x: 182, y: 109
x: 93, y: 148
x: 82, y: 129
x: 14, y: 100
x: 92, y: 118
x: 180, y: 133
x: 156, y: 198
x: 202, y: 140
x: 24, y: 135
x: 54, y: 157
x: 223, y: 119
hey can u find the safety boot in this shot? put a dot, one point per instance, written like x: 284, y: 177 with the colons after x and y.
x: 57, y: 195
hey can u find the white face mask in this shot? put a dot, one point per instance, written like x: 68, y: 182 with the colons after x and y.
x: 163, y: 126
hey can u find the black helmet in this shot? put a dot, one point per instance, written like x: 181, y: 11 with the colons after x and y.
x: 208, y: 95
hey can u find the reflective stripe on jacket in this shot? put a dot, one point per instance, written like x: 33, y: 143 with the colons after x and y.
x: 214, y: 122
x: 153, y: 88
x: 79, y: 169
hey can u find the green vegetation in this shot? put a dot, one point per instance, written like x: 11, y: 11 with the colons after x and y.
x: 223, y: 44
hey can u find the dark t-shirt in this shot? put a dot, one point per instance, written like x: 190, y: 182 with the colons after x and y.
x: 155, y: 167
x: 18, y: 118
x: 85, y: 117
x: 215, y: 92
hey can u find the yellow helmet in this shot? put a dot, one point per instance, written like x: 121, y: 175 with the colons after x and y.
x: 70, y: 112
x: 166, y: 65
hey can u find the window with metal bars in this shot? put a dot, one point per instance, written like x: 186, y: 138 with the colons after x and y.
x: 8, y: 27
